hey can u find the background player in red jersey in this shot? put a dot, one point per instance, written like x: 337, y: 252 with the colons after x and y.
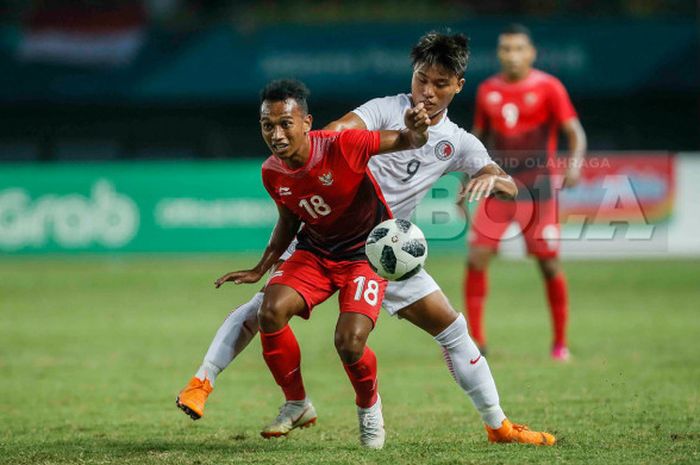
x: 519, y: 113
x: 321, y: 178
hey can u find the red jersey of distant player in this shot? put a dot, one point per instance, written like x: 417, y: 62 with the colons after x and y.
x: 333, y: 194
x: 521, y: 121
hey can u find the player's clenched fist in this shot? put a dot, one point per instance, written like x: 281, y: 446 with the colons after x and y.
x: 417, y: 122
x: 417, y: 118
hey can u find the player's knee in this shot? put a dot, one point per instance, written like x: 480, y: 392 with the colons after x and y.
x: 550, y: 267
x: 271, y: 316
x: 479, y: 258
x: 350, y: 345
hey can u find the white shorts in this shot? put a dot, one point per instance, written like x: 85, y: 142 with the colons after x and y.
x: 399, y: 294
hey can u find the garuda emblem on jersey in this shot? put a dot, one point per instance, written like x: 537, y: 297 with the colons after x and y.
x: 444, y: 150
x: 326, y: 178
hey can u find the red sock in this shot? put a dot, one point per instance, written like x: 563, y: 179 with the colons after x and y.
x: 283, y: 357
x: 557, y: 295
x: 475, y: 285
x: 363, y: 376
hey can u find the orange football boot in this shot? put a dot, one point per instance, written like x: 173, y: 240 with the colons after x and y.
x: 511, y: 432
x: 192, y: 398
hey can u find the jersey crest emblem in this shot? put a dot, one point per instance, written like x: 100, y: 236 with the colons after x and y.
x: 494, y: 97
x: 284, y: 191
x: 326, y: 178
x: 530, y: 98
x: 444, y: 150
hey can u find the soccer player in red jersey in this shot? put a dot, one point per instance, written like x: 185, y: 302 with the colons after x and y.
x: 519, y: 113
x: 320, y: 179
x: 439, y: 65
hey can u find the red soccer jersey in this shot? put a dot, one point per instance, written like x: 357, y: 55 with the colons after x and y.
x: 521, y: 122
x: 334, y: 194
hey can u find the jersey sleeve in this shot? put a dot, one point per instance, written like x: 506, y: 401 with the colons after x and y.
x: 376, y: 113
x: 471, y: 155
x: 480, y: 120
x: 562, y: 107
x: 357, y: 146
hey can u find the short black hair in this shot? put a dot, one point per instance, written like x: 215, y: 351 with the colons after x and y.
x: 451, y: 51
x: 517, y: 28
x: 280, y: 90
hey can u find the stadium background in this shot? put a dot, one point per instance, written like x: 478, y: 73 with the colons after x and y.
x: 130, y: 133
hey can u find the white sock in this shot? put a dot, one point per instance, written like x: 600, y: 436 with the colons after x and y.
x: 474, y: 378
x: 238, y: 329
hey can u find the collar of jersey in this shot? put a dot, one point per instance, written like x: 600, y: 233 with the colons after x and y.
x: 524, y: 82
x: 306, y: 166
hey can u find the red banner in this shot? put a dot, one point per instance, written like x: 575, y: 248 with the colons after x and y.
x: 636, y: 188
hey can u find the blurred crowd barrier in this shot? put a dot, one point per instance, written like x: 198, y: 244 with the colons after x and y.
x: 124, y: 61
x: 112, y: 86
x: 628, y: 204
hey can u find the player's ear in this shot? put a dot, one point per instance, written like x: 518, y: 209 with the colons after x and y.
x: 460, y: 85
x: 308, y: 121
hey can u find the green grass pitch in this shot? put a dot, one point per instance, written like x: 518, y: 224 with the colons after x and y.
x: 94, y: 350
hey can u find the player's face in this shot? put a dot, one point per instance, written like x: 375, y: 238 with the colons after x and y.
x: 516, y: 54
x: 435, y: 87
x: 284, y: 126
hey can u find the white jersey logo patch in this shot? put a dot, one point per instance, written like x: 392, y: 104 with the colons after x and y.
x: 444, y: 150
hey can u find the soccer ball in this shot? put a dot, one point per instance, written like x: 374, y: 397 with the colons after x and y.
x: 396, y: 249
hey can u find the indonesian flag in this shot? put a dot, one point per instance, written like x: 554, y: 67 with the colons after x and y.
x: 79, y: 34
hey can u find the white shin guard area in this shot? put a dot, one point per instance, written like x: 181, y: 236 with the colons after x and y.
x: 471, y: 371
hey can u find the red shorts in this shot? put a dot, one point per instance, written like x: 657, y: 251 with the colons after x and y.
x: 537, y: 221
x: 316, y: 279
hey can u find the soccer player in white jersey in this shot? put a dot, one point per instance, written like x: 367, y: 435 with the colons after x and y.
x: 439, y: 63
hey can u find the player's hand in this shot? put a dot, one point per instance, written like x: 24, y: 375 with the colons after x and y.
x: 572, y: 177
x: 417, y: 119
x: 478, y: 187
x: 417, y: 122
x: 239, y: 277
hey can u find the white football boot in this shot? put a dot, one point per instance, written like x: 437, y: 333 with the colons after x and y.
x: 293, y: 414
x: 372, y: 433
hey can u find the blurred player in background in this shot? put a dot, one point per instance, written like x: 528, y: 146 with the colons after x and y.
x: 320, y: 179
x: 439, y: 64
x: 519, y: 113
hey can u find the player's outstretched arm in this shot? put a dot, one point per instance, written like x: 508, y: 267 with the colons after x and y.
x: 415, y: 135
x: 490, y: 179
x: 283, y: 234
x: 349, y: 120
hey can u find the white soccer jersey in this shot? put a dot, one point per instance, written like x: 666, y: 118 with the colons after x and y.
x: 405, y: 177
